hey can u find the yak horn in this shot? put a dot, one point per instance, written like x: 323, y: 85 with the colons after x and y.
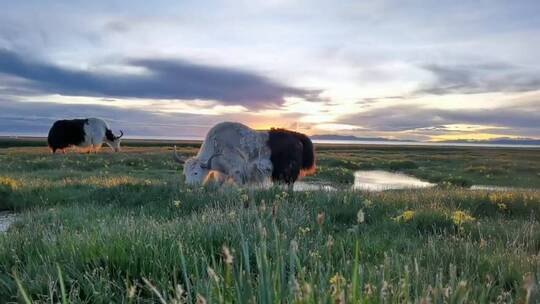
x: 208, y: 164
x: 121, y: 134
x: 177, y: 157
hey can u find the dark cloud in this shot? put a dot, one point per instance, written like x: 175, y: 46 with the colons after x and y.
x: 411, y: 118
x: 36, y: 118
x: 481, y: 78
x: 164, y: 79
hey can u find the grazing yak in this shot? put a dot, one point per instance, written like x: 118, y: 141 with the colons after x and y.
x: 248, y: 156
x: 87, y: 134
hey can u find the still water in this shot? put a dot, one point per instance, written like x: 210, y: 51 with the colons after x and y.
x: 378, y: 180
x: 6, y: 219
x: 372, y: 180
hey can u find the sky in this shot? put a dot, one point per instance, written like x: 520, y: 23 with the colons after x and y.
x: 417, y: 70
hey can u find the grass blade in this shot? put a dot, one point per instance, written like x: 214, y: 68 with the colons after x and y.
x: 62, y: 285
x: 25, y: 296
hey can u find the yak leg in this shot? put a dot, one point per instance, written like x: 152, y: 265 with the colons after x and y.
x: 97, y: 147
x: 239, y: 176
x: 215, y: 177
x: 87, y: 149
x: 209, y: 178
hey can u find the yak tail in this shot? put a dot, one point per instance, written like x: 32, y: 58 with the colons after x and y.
x: 308, y: 155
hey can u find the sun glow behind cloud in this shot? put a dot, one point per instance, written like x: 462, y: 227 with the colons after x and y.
x: 471, y: 136
x: 199, y: 107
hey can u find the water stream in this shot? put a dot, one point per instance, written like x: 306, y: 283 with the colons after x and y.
x: 378, y: 180
x: 6, y: 219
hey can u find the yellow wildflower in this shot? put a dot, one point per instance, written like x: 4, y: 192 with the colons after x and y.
x: 405, y: 216
x: 9, y: 182
x: 305, y: 230
x: 177, y: 203
x: 338, y: 283
x: 337, y: 280
x: 461, y: 217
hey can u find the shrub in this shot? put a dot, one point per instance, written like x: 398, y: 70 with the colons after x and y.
x: 461, y: 217
x: 432, y: 222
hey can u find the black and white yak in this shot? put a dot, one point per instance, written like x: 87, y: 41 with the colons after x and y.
x: 86, y: 134
x: 235, y: 151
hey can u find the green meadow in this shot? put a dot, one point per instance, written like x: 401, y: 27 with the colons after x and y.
x: 123, y: 228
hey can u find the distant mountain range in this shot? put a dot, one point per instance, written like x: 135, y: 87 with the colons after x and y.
x: 498, y: 141
x: 495, y: 141
x: 352, y: 138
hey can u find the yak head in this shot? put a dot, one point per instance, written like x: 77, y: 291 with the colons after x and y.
x: 112, y: 140
x: 195, y: 170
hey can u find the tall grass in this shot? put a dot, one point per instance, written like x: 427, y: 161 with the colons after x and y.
x: 132, y: 232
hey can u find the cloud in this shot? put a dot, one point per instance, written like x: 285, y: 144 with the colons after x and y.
x: 37, y: 117
x: 161, y: 79
x: 480, y: 78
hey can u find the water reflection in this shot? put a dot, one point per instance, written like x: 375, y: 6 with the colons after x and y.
x: 6, y: 219
x: 378, y: 180
x: 498, y: 188
x: 303, y: 186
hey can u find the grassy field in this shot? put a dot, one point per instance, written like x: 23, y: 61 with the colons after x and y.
x: 123, y: 228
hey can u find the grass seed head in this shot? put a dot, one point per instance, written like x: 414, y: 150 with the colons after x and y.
x: 369, y: 289
x: 212, y: 274
x: 360, y: 216
x: 132, y: 291
x: 294, y: 246
x: 529, y: 285
x: 330, y: 242
x: 320, y: 219
x: 367, y: 203
x: 227, y: 255
x: 200, y: 299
